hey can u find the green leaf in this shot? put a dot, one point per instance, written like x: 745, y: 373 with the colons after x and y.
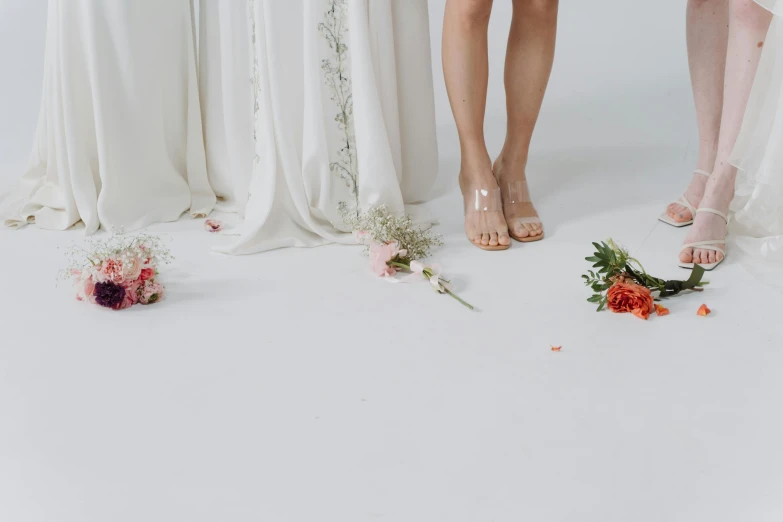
x: 594, y: 299
x: 602, y: 305
x: 593, y: 259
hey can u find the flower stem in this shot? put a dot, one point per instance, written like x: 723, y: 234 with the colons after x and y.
x: 427, y: 275
x: 460, y: 300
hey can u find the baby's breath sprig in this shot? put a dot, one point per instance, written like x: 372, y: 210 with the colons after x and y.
x: 380, y: 225
x: 119, y: 247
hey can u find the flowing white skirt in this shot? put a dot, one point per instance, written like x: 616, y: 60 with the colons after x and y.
x: 757, y: 228
x: 119, y: 141
x: 311, y: 106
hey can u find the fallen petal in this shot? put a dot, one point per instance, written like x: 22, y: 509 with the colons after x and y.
x: 704, y: 311
x: 661, y: 310
x: 213, y: 225
x: 557, y: 348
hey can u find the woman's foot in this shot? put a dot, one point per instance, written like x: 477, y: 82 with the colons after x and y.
x: 520, y: 214
x: 708, y: 226
x: 693, y: 194
x: 484, y: 223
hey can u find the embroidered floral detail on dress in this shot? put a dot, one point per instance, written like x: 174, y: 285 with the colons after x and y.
x: 334, y: 29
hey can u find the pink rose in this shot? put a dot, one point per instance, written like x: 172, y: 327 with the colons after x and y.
x: 381, y: 255
x: 127, y: 302
x: 132, y: 269
x: 133, y: 292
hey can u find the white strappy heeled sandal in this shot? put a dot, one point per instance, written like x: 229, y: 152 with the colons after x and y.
x: 712, y: 244
x: 666, y: 218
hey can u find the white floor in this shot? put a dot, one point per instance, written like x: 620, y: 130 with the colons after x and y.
x: 294, y: 386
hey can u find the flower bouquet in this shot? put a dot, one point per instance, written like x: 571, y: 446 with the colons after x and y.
x: 118, y: 272
x: 395, y: 244
x: 622, y: 285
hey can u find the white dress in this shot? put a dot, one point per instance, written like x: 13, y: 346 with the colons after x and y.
x: 119, y: 141
x: 312, y: 105
x: 757, y: 227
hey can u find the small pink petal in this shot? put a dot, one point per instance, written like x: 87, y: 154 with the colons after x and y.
x: 213, y: 225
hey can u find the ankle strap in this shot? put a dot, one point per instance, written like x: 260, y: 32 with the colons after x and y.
x: 716, y: 212
x: 702, y: 172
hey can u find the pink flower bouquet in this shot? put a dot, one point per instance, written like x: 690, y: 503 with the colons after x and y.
x: 394, y: 243
x: 119, y: 272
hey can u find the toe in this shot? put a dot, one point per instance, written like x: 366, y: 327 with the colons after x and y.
x: 718, y: 257
x: 503, y: 238
x: 493, y: 239
x: 485, y: 239
x: 520, y: 230
x: 687, y: 256
x: 534, y: 229
x: 711, y: 257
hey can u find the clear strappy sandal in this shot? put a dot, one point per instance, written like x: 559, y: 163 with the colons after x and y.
x: 516, y: 195
x: 482, y: 201
x: 712, y: 244
x: 666, y: 218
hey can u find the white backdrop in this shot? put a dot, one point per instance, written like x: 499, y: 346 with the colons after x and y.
x: 607, y: 49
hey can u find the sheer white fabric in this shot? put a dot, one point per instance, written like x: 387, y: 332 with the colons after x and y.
x: 344, y: 113
x: 757, y: 228
x: 119, y: 143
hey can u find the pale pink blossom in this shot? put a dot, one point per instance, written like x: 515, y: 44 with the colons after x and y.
x: 85, y: 289
x: 151, y: 292
x: 381, y: 255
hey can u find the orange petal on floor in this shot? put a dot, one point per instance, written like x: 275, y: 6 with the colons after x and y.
x: 704, y: 311
x: 661, y: 310
x: 641, y: 313
x: 557, y: 348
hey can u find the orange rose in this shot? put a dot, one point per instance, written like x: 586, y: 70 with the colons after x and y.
x: 630, y: 298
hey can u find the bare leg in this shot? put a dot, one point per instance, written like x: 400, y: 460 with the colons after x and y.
x: 466, y: 67
x: 531, y: 51
x: 708, y: 40
x: 748, y: 27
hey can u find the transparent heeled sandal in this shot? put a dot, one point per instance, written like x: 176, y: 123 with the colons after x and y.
x: 480, y: 201
x: 517, y: 203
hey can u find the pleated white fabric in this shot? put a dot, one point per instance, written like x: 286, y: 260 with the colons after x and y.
x: 119, y: 143
x: 343, y: 113
x: 757, y: 228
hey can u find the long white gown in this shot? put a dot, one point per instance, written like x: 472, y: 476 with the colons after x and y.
x: 119, y: 142
x: 757, y: 227
x: 311, y: 105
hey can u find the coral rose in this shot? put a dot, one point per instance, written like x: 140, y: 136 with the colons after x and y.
x: 630, y: 298
x: 146, y: 274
